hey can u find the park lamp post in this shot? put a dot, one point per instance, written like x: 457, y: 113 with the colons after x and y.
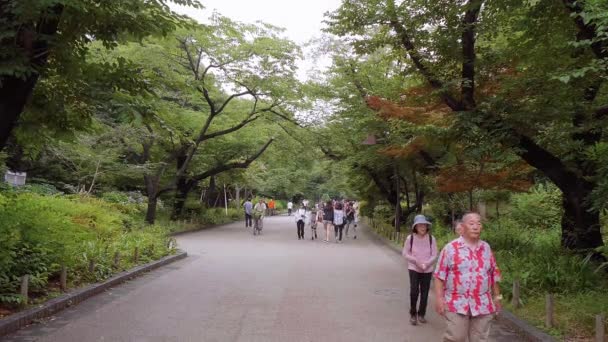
x: 372, y: 140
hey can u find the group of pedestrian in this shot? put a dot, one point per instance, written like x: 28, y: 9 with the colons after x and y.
x: 254, y: 214
x: 465, y: 272
x: 339, y: 215
x: 466, y: 279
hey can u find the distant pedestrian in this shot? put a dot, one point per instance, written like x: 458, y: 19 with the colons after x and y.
x: 289, y: 208
x: 328, y: 218
x: 466, y: 284
x: 349, y: 211
x: 313, y: 221
x: 271, y: 207
x: 301, y: 216
x: 338, y: 222
x: 259, y: 211
x: 420, y: 250
x: 458, y: 227
x: 248, y: 206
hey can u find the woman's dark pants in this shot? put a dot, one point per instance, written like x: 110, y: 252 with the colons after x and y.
x: 300, y: 229
x: 420, y: 284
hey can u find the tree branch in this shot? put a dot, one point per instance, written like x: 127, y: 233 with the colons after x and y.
x: 468, y: 53
x: 229, y: 166
x: 228, y: 130
x: 415, y: 56
x: 232, y: 97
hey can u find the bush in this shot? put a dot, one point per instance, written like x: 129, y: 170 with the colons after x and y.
x: 537, y: 209
x: 38, y: 233
x: 536, y: 258
x: 214, y: 216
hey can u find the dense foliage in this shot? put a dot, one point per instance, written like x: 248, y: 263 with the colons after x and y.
x: 39, y: 233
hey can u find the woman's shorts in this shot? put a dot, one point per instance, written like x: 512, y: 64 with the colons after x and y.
x: 326, y: 221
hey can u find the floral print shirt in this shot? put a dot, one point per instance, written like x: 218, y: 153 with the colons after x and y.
x: 468, y: 276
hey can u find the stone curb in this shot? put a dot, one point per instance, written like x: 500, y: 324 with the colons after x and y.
x: 19, y: 320
x: 528, y: 332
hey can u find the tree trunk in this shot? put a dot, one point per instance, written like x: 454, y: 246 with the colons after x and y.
x: 470, y: 193
x: 14, y: 94
x: 181, y: 191
x: 151, y: 211
x: 581, y: 228
x: 237, y: 190
x: 211, y: 192
x: 181, y: 195
x: 152, y: 192
x: 398, y: 195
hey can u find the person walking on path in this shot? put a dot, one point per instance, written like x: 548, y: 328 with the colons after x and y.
x: 313, y: 222
x: 328, y: 218
x: 271, y: 206
x: 248, y: 206
x: 301, y: 216
x: 258, y: 216
x: 338, y: 222
x: 289, y: 208
x: 466, y: 284
x: 420, y: 250
x: 350, y: 219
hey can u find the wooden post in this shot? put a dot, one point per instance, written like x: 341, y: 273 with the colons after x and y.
x: 63, y: 278
x: 136, y: 255
x: 600, y: 333
x: 116, y: 259
x: 24, y: 289
x: 515, y: 300
x: 549, y: 306
x: 91, y: 266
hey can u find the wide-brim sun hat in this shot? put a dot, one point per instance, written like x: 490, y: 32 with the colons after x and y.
x: 420, y: 219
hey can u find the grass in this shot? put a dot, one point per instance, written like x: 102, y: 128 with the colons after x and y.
x: 574, y: 314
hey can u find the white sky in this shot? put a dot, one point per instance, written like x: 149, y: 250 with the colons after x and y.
x: 302, y: 19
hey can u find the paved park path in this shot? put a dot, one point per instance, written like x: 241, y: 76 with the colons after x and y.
x: 237, y: 287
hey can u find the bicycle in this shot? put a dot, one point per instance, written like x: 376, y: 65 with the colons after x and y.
x: 257, y: 225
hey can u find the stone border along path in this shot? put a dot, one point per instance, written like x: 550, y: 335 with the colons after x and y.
x: 506, y: 320
x: 21, y: 319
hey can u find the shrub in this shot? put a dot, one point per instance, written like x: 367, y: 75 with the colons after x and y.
x: 213, y: 216
x: 537, y: 209
x: 38, y: 233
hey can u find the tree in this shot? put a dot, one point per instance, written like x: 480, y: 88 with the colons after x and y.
x: 41, y: 39
x: 496, y: 81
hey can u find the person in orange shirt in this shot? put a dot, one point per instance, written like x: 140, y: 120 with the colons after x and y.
x: 271, y: 206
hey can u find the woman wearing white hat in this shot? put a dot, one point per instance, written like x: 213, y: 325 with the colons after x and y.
x: 420, y: 250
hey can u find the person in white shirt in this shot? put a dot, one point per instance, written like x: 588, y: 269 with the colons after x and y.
x: 301, y: 216
x: 258, y: 215
x: 289, y: 208
x: 339, y: 219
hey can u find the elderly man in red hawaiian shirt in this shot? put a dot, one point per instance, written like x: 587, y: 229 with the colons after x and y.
x: 466, y: 284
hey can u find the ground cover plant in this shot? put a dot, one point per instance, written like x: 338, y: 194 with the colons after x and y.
x: 40, y: 233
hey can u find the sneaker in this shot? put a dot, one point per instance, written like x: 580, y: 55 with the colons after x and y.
x: 421, y: 319
x: 413, y: 320
x: 355, y: 237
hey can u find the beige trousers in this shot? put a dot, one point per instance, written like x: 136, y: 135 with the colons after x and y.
x: 477, y: 329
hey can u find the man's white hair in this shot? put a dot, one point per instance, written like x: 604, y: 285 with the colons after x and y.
x: 464, y: 217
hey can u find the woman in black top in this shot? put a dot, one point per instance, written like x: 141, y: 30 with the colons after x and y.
x: 328, y: 219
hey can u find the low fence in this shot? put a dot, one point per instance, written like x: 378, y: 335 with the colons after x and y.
x: 24, y: 288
